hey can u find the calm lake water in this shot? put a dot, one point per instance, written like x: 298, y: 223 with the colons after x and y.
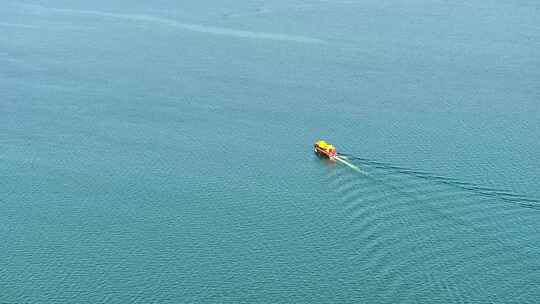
x: 162, y: 152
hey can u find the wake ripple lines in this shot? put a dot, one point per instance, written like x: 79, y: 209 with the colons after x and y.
x: 422, y: 234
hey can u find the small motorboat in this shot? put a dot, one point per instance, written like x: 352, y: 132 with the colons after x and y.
x: 322, y: 148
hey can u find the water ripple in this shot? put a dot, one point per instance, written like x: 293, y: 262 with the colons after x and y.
x: 450, y: 236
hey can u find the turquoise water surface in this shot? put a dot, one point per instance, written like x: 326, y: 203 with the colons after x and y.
x: 161, y: 152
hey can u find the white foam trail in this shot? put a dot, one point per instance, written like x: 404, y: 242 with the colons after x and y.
x: 18, y: 25
x: 193, y: 27
x: 348, y: 164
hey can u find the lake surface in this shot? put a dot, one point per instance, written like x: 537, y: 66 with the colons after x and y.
x: 162, y: 152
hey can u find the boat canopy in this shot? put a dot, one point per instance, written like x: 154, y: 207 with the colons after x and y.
x: 324, y: 145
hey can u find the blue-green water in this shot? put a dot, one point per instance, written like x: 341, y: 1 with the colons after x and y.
x: 161, y: 152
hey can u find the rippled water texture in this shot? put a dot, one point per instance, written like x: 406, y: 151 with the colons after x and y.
x: 462, y: 238
x: 162, y: 152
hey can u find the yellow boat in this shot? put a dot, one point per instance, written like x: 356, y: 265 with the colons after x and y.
x: 325, y: 149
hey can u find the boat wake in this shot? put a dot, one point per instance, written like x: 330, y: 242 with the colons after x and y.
x: 343, y: 160
x: 507, y: 196
x: 405, y: 226
x: 198, y: 28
